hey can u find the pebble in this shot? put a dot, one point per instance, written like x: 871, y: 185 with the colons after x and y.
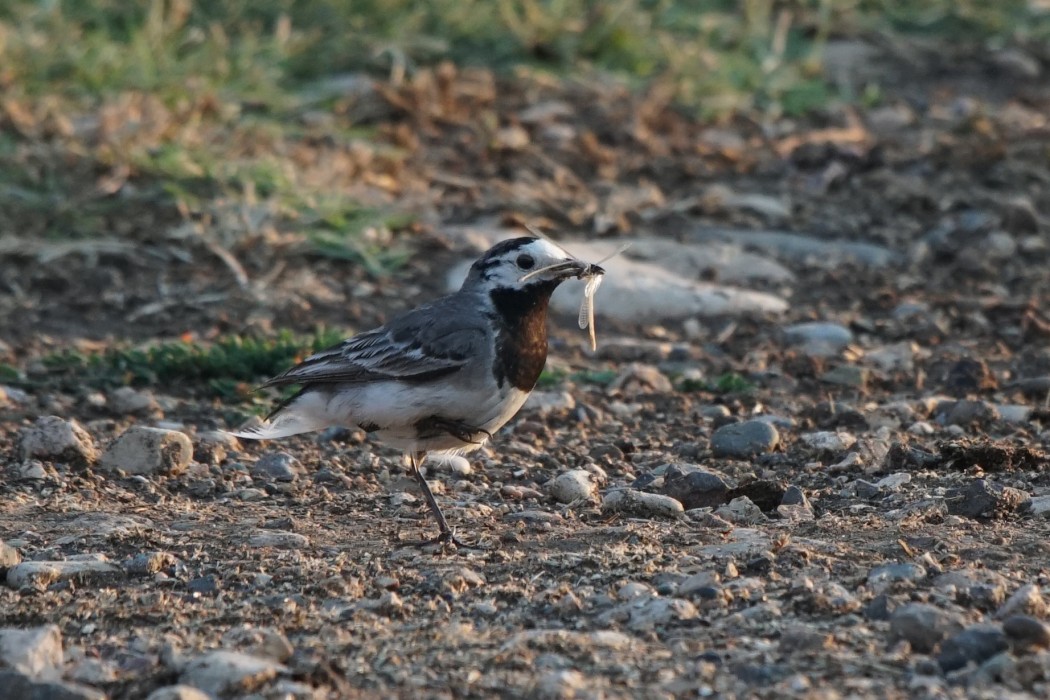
x: 637, y: 378
x: 634, y: 589
x: 21, y: 686
x: 965, y: 413
x: 560, y: 684
x: 657, y: 612
x: 1027, y: 632
x: 888, y: 575
x: 982, y: 498
x: 744, y: 439
x: 148, y: 563
x: 223, y: 672
x: 35, y: 652
x: 804, y: 639
x: 205, y: 585
x: 641, y: 504
x: 41, y: 574
x: 572, y: 486
x: 818, y: 338
x: 699, y: 582
x: 30, y: 470
x: 829, y: 441
x: 795, y: 496
x: 279, y: 539
x: 975, y: 644
x: 277, y: 466
x: 893, y: 482
x: 922, y: 625
x: 128, y: 401
x: 544, y: 402
x: 178, y: 692
x: 742, y: 511
x: 265, y: 642
x: 695, y: 488
x: 148, y: 451
x: 1027, y: 600
x: 59, y: 440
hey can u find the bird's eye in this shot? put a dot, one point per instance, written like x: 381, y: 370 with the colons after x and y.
x: 526, y: 261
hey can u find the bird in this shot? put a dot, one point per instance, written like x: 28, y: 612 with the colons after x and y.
x: 442, y: 378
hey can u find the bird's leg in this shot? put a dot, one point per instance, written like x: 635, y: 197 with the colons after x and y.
x: 447, y: 535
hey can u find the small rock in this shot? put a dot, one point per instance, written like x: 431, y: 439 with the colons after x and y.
x: 982, y: 498
x: 142, y: 450
x: 975, y: 644
x: 637, y: 378
x: 742, y: 511
x: 804, y: 639
x: 58, y: 440
x: 695, y: 488
x: 41, y: 574
x: 572, y: 486
x: 178, y: 692
x: 744, y: 439
x: 279, y: 539
x: 888, y: 575
x: 205, y: 585
x: 795, y: 496
x: 35, y: 652
x: 544, y: 402
x: 277, y: 466
x: 127, y: 401
x: 1026, y: 632
x: 1026, y: 600
x: 818, y: 338
x: 259, y: 641
x: 847, y: 375
x: 149, y: 563
x: 829, y: 441
x: 560, y: 684
x: 21, y: 686
x: 657, y: 612
x: 634, y: 589
x: 30, y: 470
x: 698, y: 582
x: 639, y: 503
x: 923, y: 626
x: 225, y: 672
x: 966, y: 412
x: 893, y: 482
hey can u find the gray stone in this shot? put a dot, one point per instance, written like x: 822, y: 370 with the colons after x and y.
x: 277, y: 466
x: 695, y: 488
x: 639, y: 503
x: 259, y: 641
x: 975, y: 644
x: 888, y: 575
x: 19, y: 685
x: 148, y: 563
x: 58, y: 440
x: 698, y: 582
x: 966, y: 412
x: 41, y: 574
x: 142, y: 450
x: 982, y: 498
x: 575, y: 485
x: 35, y: 652
x: 178, y: 692
x: 742, y: 440
x: 1026, y: 600
x: 825, y: 253
x: 818, y: 338
x: 742, y: 511
x: 795, y: 496
x: 225, y: 672
x: 30, y: 470
x: 923, y: 626
x: 279, y: 539
x: 828, y: 441
x: 1027, y: 632
x: 130, y: 402
x: 658, y: 612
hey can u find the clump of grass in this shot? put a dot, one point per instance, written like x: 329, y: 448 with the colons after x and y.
x: 220, y: 366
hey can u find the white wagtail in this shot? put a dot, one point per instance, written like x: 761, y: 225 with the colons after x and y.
x: 443, y: 377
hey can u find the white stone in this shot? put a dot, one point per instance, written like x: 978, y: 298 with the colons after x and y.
x: 35, y: 652
x: 572, y: 486
x: 178, y: 692
x: 57, y: 439
x: 142, y: 450
x: 829, y: 441
x: 547, y: 401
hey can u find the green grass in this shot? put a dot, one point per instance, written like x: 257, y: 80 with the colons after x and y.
x: 224, y: 367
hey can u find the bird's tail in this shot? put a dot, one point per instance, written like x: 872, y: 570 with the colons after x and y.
x: 303, y: 413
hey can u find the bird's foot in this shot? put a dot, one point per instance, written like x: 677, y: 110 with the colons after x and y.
x: 444, y: 539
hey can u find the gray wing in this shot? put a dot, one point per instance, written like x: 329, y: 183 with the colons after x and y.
x: 429, y: 342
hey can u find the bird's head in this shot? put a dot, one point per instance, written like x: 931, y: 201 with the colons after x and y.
x: 524, y: 263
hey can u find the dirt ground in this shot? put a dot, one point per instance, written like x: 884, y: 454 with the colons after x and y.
x: 912, y: 565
